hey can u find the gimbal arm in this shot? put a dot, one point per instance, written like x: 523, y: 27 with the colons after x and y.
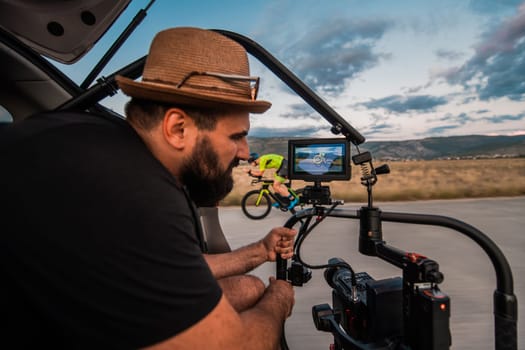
x: 504, y: 302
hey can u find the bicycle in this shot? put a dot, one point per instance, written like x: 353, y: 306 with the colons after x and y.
x: 257, y: 204
x: 319, y: 159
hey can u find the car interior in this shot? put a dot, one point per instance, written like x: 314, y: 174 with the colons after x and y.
x: 59, y: 31
x: 64, y: 32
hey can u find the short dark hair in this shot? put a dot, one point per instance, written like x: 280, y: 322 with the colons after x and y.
x: 147, y: 114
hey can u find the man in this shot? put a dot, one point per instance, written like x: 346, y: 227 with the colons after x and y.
x: 277, y: 162
x: 102, y: 246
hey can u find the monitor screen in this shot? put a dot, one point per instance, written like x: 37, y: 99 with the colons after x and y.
x: 319, y: 160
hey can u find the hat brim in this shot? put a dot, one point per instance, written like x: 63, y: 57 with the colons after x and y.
x: 170, y: 94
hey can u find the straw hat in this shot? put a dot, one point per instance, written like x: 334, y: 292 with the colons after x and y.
x: 196, y: 67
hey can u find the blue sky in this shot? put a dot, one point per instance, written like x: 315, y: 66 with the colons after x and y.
x: 395, y: 70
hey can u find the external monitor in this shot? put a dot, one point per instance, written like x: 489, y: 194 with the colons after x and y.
x: 319, y: 160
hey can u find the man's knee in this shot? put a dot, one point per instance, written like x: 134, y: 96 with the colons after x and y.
x: 242, y: 291
x: 253, y: 286
x: 280, y: 188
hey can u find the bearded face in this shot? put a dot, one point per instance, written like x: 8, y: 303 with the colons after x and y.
x: 201, y: 173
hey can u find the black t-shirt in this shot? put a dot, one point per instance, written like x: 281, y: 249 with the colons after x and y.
x: 100, y: 248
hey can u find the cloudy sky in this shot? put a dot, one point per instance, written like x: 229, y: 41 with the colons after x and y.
x: 395, y: 70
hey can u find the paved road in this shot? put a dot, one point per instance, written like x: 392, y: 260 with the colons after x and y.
x: 469, y: 276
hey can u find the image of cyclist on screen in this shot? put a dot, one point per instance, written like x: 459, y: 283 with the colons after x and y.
x: 278, y: 162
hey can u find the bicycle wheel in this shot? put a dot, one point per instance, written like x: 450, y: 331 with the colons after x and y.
x: 254, y: 208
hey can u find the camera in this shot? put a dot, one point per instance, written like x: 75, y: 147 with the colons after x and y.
x: 370, y: 311
x: 403, y: 312
x: 391, y: 313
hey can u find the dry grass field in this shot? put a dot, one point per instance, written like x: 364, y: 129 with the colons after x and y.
x: 415, y: 180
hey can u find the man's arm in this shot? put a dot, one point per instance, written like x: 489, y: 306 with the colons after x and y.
x: 223, y: 328
x: 255, y: 172
x: 278, y: 241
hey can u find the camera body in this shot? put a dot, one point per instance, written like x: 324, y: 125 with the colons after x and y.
x: 388, y: 311
x: 372, y: 312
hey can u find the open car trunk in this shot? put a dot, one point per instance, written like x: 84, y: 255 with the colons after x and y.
x: 61, y: 30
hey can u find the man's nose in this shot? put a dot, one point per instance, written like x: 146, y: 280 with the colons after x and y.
x: 244, y: 150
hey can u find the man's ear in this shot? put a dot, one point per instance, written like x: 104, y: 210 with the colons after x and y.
x: 173, y: 127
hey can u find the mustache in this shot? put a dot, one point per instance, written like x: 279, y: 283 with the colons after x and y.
x: 234, y: 163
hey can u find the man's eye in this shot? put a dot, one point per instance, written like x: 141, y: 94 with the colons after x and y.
x: 238, y: 137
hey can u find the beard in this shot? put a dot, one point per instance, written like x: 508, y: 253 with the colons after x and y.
x: 203, y: 177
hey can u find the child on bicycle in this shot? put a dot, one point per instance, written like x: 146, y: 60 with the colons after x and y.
x: 278, y: 162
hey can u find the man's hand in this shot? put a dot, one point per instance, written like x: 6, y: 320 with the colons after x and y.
x: 253, y: 172
x: 279, y: 241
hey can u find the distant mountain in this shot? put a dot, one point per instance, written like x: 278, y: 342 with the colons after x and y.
x: 471, y: 146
